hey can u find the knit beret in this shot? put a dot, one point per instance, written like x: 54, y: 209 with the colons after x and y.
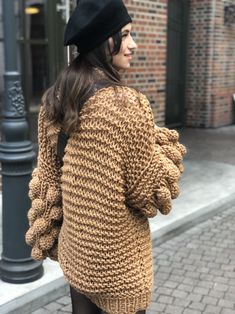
x: 94, y: 21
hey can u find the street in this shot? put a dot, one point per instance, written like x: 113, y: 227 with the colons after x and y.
x: 194, y: 271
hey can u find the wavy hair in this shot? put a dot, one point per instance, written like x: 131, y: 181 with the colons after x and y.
x: 66, y: 97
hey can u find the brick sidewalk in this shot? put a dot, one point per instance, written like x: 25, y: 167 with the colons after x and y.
x: 194, y: 272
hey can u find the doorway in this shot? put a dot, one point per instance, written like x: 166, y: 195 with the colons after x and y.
x: 42, y: 53
x: 176, y: 62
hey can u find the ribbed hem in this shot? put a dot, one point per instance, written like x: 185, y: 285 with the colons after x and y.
x: 122, y: 306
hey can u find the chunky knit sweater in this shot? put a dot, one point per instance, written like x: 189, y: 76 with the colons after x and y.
x: 118, y: 171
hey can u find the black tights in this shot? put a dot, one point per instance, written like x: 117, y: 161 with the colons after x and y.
x: 82, y: 305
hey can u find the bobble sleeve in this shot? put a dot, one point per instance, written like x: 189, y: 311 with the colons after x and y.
x: 153, y: 170
x: 45, y: 214
x: 169, y: 142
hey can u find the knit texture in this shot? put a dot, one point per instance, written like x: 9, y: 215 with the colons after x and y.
x: 119, y: 170
x: 45, y: 215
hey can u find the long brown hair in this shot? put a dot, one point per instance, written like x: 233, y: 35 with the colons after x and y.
x: 65, y: 98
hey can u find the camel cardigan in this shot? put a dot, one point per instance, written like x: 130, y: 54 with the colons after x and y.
x: 92, y: 214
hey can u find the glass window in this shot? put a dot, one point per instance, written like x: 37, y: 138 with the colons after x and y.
x: 35, y: 21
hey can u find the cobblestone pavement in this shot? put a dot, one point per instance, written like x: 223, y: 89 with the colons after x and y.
x: 194, y: 271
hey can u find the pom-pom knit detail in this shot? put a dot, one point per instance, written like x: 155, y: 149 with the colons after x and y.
x: 46, y: 215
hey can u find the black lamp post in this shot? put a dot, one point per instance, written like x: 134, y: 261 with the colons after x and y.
x: 16, y: 156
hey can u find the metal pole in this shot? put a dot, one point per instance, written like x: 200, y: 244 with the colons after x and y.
x: 16, y: 156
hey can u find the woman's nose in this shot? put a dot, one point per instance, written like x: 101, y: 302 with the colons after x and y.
x: 132, y: 44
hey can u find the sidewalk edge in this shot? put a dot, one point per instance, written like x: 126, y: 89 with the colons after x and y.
x: 37, y: 298
x: 189, y: 221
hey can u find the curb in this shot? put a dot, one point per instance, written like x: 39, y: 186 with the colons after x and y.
x: 37, y: 298
x: 187, y: 222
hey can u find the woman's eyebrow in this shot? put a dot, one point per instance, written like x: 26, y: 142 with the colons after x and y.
x: 126, y: 31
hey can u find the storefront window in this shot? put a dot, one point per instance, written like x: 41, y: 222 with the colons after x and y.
x: 34, y: 51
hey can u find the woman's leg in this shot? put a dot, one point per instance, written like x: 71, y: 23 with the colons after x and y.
x: 81, y: 304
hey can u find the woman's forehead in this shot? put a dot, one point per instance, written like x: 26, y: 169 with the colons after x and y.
x: 126, y: 27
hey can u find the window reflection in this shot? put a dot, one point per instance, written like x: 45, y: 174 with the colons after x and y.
x: 34, y: 19
x: 39, y: 69
x: 34, y: 51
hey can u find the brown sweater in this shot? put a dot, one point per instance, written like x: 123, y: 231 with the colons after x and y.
x: 119, y: 170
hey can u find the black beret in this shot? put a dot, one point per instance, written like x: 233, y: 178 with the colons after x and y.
x: 94, y: 21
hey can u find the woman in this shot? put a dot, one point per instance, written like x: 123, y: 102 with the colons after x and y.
x: 118, y: 169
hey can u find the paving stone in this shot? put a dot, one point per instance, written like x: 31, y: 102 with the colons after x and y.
x: 171, y: 284
x: 219, y: 279
x: 228, y: 311
x: 227, y: 267
x: 229, y: 296
x: 163, y: 262
x: 41, y: 311
x: 200, y: 290
x: 229, y: 274
x: 164, y: 291
x: 191, y: 311
x: 176, y: 278
x: 191, y: 281
x: 189, y: 267
x: 181, y: 302
x: 197, y: 306
x: 164, y: 269
x: 67, y: 308
x: 53, y: 306
x: 154, y: 306
x: 163, y: 276
x: 209, y: 300
x: 206, y: 284
x: 216, y: 294
x: 165, y: 299
x: 231, y: 290
x: 64, y: 300
x: 227, y: 304
x: 220, y: 287
x: 212, y: 309
x: 194, y: 273
x: 179, y: 272
x: 206, y: 277
x: 186, y: 288
x: 195, y: 297
x: 180, y: 294
x: 217, y: 272
x: 204, y: 270
x: 173, y: 309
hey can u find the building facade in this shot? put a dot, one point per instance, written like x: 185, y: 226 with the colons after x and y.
x: 185, y: 62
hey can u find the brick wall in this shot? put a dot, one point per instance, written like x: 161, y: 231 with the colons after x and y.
x: 211, y: 60
x: 211, y: 65
x: 148, y: 72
